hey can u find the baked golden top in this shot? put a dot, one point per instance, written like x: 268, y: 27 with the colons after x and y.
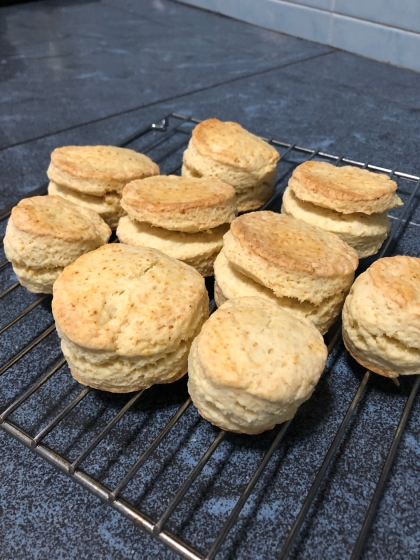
x: 105, y: 163
x: 230, y: 144
x: 344, y: 183
x: 250, y: 344
x: 56, y: 217
x: 398, y: 278
x: 128, y: 300
x: 172, y: 193
x: 293, y: 244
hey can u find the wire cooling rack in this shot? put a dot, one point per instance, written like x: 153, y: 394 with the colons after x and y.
x: 201, y: 491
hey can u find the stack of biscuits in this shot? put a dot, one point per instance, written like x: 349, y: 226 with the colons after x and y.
x: 94, y: 176
x: 303, y: 269
x: 46, y: 233
x: 347, y: 201
x: 183, y: 217
x: 381, y: 317
x: 226, y: 151
x: 127, y: 317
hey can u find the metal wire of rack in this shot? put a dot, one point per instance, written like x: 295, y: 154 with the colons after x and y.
x: 171, y: 135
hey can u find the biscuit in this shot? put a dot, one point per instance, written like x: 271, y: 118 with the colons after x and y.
x: 344, y: 189
x: 198, y: 250
x: 98, y: 170
x: 381, y: 317
x: 229, y: 283
x: 226, y: 151
x: 180, y: 203
x: 46, y: 233
x: 253, y: 364
x: 290, y: 257
x: 127, y: 317
x: 108, y: 206
x: 362, y: 232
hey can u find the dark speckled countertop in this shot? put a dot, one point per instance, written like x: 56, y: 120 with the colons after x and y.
x: 76, y: 71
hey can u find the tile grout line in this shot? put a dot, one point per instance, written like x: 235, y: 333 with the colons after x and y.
x: 160, y: 101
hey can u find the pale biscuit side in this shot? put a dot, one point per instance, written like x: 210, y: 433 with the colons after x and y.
x: 44, y: 252
x: 107, y: 206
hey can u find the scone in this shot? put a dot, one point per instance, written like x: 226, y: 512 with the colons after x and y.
x: 347, y: 201
x: 365, y: 233
x: 183, y: 217
x: 344, y: 189
x: 94, y: 176
x: 381, y: 317
x: 230, y: 283
x: 127, y: 317
x: 226, y: 151
x: 46, y: 233
x: 290, y: 257
x: 253, y: 364
x: 199, y: 250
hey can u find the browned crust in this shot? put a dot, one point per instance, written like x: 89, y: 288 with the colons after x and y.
x: 293, y: 244
x: 230, y: 144
x: 398, y: 278
x: 56, y: 217
x: 172, y: 193
x: 92, y: 162
x: 343, y: 183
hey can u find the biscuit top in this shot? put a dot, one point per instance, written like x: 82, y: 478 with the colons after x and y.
x: 343, y: 183
x: 56, y: 217
x: 104, y: 163
x: 172, y: 193
x: 253, y: 345
x: 398, y: 279
x: 293, y: 244
x: 134, y: 301
x: 230, y: 144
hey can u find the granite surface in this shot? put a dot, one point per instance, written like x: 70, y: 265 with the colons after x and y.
x: 94, y: 72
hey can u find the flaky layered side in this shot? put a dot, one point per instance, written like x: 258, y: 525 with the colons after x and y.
x: 230, y: 283
x: 365, y: 233
x: 199, y: 250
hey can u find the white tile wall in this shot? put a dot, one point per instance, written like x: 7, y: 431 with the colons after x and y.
x: 404, y: 14
x: 386, y: 30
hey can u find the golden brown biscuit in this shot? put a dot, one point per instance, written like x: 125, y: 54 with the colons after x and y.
x: 229, y: 283
x: 226, y: 151
x: 344, y: 189
x: 46, y: 233
x: 365, y: 233
x: 253, y: 364
x: 381, y: 317
x: 127, y: 317
x: 97, y: 170
x: 290, y: 257
x: 180, y: 203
